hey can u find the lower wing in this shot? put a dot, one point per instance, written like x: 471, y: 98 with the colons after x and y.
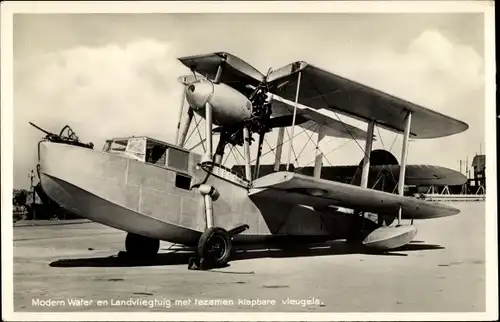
x: 300, y: 189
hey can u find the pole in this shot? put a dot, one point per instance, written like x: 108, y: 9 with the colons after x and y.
x: 467, y: 167
x: 32, y: 188
x: 293, y: 122
x: 366, y: 159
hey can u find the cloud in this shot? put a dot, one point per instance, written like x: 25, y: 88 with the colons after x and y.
x: 103, y: 92
x: 131, y: 89
x: 432, y: 71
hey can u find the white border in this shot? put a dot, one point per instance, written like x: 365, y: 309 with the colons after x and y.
x: 9, y: 8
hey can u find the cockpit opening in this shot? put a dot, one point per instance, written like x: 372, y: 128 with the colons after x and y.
x: 149, y: 150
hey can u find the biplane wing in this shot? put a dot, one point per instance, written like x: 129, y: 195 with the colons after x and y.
x: 310, y: 119
x: 415, y: 174
x: 300, y: 189
x: 321, y: 89
x: 237, y: 73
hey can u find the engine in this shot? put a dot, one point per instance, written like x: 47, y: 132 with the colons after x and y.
x: 229, y: 107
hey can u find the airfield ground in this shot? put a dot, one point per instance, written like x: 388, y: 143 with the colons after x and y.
x: 442, y: 271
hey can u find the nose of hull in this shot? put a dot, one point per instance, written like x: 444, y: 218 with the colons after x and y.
x: 198, y: 94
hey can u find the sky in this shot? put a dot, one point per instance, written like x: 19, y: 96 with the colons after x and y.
x: 114, y: 75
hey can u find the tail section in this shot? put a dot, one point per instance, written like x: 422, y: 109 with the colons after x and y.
x: 381, y: 175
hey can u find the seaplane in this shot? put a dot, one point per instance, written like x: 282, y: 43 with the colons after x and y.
x: 158, y: 191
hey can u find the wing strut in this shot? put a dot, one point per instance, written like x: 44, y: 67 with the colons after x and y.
x: 279, y: 149
x: 366, y: 159
x: 318, y: 162
x: 246, y: 149
x: 293, y: 122
x: 402, y: 169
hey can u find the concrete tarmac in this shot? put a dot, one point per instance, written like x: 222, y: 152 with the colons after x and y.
x: 443, y: 270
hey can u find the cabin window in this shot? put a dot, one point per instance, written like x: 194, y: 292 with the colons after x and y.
x: 107, y: 146
x: 182, y: 181
x: 119, y: 146
x: 156, y: 154
x: 178, y: 159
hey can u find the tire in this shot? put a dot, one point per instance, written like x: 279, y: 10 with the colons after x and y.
x: 215, y: 246
x: 141, y: 246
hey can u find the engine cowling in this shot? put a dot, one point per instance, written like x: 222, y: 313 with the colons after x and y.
x: 229, y: 106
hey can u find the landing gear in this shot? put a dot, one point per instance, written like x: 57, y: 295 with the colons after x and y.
x: 215, y: 247
x: 141, y: 246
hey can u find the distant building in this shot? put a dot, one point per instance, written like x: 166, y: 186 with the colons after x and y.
x: 479, y: 175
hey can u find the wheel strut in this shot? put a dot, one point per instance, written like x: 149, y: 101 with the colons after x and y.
x: 215, y: 244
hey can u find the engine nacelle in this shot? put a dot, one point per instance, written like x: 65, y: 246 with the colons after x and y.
x: 228, y: 105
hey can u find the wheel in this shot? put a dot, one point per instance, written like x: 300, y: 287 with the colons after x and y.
x: 141, y: 246
x: 215, y: 246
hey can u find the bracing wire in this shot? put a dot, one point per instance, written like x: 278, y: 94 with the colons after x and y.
x: 194, y: 129
x: 201, y: 139
x: 284, y: 142
x: 309, y: 139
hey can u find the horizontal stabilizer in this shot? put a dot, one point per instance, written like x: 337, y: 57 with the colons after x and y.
x: 300, y: 189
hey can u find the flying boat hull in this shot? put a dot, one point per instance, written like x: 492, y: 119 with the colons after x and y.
x: 141, y: 198
x: 89, y: 184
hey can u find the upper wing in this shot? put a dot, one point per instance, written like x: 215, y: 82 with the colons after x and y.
x: 310, y: 118
x: 301, y: 189
x: 322, y: 89
x: 237, y: 73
